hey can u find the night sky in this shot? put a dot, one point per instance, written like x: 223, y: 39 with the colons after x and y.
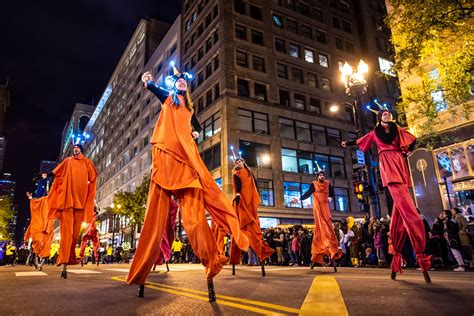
x: 58, y: 53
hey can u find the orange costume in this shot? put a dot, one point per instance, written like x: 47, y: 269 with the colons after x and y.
x: 41, y: 227
x: 324, y: 238
x: 71, y: 200
x: 177, y: 169
x: 90, y: 233
x: 246, y: 209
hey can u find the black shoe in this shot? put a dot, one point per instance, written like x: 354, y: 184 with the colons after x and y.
x: 64, y: 274
x: 141, y: 291
x: 393, y: 276
x: 312, y: 265
x: 97, y: 263
x: 263, y: 269
x: 427, y: 277
x: 334, y: 265
x: 210, y: 288
x: 41, y: 268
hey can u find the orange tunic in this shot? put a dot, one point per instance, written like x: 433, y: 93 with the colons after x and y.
x: 74, y: 187
x: 248, y: 217
x: 41, y: 227
x: 324, y: 238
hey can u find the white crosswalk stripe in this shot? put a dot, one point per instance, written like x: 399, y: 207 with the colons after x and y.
x: 30, y: 273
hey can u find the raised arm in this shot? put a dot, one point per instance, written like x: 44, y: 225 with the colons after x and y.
x: 308, y: 193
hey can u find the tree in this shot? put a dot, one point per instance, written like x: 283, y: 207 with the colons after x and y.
x: 132, y: 204
x: 433, y: 40
x: 6, y: 215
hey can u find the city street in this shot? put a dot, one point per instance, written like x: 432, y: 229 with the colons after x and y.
x: 285, y: 290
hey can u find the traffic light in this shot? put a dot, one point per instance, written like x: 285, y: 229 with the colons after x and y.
x: 359, y: 188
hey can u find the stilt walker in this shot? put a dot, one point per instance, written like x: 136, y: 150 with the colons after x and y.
x: 246, y: 200
x: 90, y: 234
x: 71, y: 200
x: 324, y: 239
x: 178, y: 169
x: 393, y: 142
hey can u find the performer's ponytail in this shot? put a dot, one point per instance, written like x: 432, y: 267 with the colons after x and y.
x: 188, y: 102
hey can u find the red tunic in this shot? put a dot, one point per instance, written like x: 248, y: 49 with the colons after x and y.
x: 393, y: 168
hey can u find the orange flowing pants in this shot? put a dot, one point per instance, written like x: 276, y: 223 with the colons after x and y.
x: 70, y: 227
x: 254, y: 235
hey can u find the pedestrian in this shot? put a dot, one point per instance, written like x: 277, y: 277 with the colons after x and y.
x: 110, y: 253
x: 176, y: 248
x: 452, y: 236
x: 10, y: 253
x: 324, y: 241
x: 177, y: 168
x: 392, y: 143
x: 464, y: 236
x: 279, y: 239
x: 71, y: 200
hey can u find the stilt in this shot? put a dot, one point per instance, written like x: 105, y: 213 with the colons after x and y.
x: 312, y: 265
x: 141, y: 291
x: 334, y: 265
x: 426, y: 276
x: 263, y: 268
x: 98, y: 261
x: 233, y: 269
x: 167, y: 267
x: 210, y: 289
x: 394, y: 275
x: 64, y: 272
x: 82, y: 263
x: 154, y: 267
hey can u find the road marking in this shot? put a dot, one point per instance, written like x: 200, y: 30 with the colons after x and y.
x: 32, y: 273
x: 222, y: 299
x: 79, y: 271
x: 119, y: 270
x: 324, y: 298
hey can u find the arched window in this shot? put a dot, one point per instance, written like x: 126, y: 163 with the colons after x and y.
x: 83, y: 120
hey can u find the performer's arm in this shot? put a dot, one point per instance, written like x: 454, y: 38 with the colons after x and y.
x: 195, y: 124
x: 160, y: 92
x: 308, y: 193
x: 331, y: 191
x: 238, y: 188
x: 364, y: 142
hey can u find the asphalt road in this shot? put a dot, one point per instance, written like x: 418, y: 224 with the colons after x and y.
x: 101, y: 290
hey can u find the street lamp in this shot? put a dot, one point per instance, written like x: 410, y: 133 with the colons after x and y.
x: 113, y: 206
x: 356, y: 86
x: 334, y: 108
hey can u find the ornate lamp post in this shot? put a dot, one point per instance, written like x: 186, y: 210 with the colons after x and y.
x: 356, y: 86
x: 113, y: 206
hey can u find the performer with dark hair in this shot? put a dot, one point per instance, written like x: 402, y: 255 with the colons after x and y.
x: 71, y: 200
x: 246, y: 201
x: 393, y: 142
x: 324, y: 238
x: 178, y: 169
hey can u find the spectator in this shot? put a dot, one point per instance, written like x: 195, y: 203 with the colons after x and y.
x: 279, y: 240
x: 451, y: 229
x: 176, y: 247
x: 464, y: 237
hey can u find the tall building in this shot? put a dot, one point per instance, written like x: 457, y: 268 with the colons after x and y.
x: 448, y: 169
x: 123, y: 120
x: 4, y: 104
x: 74, y: 129
x: 266, y: 76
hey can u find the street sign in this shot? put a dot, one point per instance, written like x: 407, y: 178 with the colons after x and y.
x: 360, y: 157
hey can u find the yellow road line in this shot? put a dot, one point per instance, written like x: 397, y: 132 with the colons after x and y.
x: 204, y: 296
x: 324, y: 298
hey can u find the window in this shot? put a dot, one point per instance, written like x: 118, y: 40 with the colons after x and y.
x: 306, y: 31
x: 259, y: 63
x: 260, y: 91
x: 291, y: 26
x: 385, y: 66
x: 350, y: 47
x: 282, y: 71
x: 208, y: 70
x: 208, y: 20
x: 200, y: 53
x: 348, y: 114
x: 299, y: 101
x: 209, y: 44
x: 317, y: 15
x: 277, y: 20
x: 287, y: 129
x: 323, y: 60
x: 208, y: 97
x: 303, y: 132
x: 255, y: 12
x: 257, y: 37
x: 241, y: 59
x: 243, y: 88
x: 253, y: 154
x: 322, y: 161
x: 239, y: 6
x: 318, y: 134
x: 212, y: 157
x: 215, y: 36
x: 280, y: 45
x: 200, y: 78
x: 312, y: 80
x: 339, y: 44
x: 240, y: 32
x: 325, y: 84
x: 253, y: 121
x: 284, y: 97
x: 314, y: 105
x: 334, y: 137
x: 265, y: 190
x: 336, y: 23
x: 346, y: 26
x: 291, y: 190
x: 337, y: 167
x: 211, y: 126
x: 217, y: 90
x: 341, y: 200
x: 320, y: 36
x: 294, y: 50
x: 309, y: 55
x: 297, y: 75
x: 289, y: 160
x: 200, y: 104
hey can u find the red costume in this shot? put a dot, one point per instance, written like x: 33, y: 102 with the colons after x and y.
x: 168, y: 236
x: 178, y: 169
x: 90, y: 233
x: 324, y: 238
x: 71, y: 199
x: 392, y: 143
x: 246, y: 209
